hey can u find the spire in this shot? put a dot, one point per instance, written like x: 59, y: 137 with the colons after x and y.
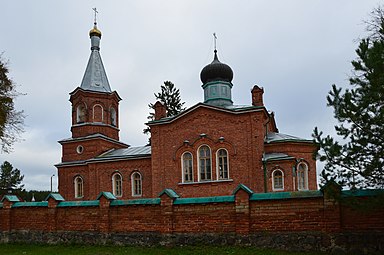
x: 95, y: 77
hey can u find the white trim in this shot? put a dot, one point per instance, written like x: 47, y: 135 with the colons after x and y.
x: 114, y: 184
x: 133, y: 184
x: 78, y: 112
x: 217, y: 164
x: 305, y: 176
x: 110, y: 117
x: 182, y: 168
x: 198, y: 163
x: 78, y: 177
x: 273, y: 180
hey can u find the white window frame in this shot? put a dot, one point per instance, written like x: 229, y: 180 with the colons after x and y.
x: 273, y: 180
x: 102, y: 112
x: 134, y: 184
x: 218, y: 164
x: 299, y: 177
x: 199, y: 163
x: 113, y: 116
x: 115, y: 185
x: 80, y: 109
x: 79, y: 193
x: 183, y: 167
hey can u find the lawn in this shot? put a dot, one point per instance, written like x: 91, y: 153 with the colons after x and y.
x: 24, y: 249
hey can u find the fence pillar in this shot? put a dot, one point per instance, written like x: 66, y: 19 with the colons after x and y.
x: 167, y: 198
x: 8, y: 201
x: 105, y: 199
x: 53, y: 200
x: 332, y: 213
x: 242, y: 194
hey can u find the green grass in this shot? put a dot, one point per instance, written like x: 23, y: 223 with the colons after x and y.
x: 25, y: 249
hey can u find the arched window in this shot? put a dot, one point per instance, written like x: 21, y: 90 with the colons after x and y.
x: 302, y: 176
x: 222, y: 164
x: 205, y: 163
x: 78, y: 185
x: 117, y: 185
x: 187, y: 167
x: 113, y: 117
x: 80, y: 113
x: 277, y: 180
x: 98, y: 115
x: 136, y: 184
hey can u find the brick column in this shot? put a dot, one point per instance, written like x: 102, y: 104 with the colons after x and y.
x: 242, y: 212
x: 105, y: 199
x: 332, y: 213
x: 52, y: 214
x: 6, y: 211
x: 242, y: 194
x: 5, y: 217
x: 167, y: 197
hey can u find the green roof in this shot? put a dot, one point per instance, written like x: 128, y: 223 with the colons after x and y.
x: 149, y: 201
x: 169, y: 192
x: 204, y: 200
x: 107, y: 195
x: 78, y: 203
x: 362, y: 193
x: 30, y: 204
x: 242, y: 187
x: 55, y: 196
x: 285, y: 195
x: 10, y: 198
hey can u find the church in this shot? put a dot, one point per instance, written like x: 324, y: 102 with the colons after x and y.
x: 206, y: 150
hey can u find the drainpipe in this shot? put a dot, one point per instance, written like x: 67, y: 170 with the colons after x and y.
x: 265, y: 176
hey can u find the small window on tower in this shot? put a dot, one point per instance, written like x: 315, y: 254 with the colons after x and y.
x: 113, y: 117
x: 80, y: 113
x: 78, y: 183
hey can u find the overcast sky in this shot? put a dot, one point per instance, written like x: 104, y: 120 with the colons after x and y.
x: 294, y: 49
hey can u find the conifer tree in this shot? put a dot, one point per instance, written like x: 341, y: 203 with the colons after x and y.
x: 170, y: 97
x: 356, y: 158
x: 10, y: 178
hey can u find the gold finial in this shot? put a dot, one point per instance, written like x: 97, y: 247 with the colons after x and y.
x: 94, y: 30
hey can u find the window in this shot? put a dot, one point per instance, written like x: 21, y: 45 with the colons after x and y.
x: 187, y: 167
x: 117, y: 184
x: 222, y: 164
x: 136, y: 184
x: 80, y: 113
x: 277, y: 180
x: 302, y: 176
x: 78, y: 183
x: 113, y: 117
x: 98, y: 115
x: 205, y: 163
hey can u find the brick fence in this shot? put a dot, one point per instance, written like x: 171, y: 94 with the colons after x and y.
x: 310, y: 220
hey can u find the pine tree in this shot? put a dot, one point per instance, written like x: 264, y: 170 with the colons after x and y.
x: 357, y: 159
x: 170, y: 97
x: 11, y: 120
x: 10, y: 178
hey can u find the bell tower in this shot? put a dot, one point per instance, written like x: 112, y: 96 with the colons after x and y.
x: 95, y: 111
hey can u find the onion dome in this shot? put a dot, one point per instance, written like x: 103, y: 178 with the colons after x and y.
x: 216, y: 71
x: 94, y: 31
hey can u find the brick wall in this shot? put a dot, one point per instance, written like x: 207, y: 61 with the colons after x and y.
x: 244, y: 213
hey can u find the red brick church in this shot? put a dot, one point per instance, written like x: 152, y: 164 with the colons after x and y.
x: 206, y: 150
